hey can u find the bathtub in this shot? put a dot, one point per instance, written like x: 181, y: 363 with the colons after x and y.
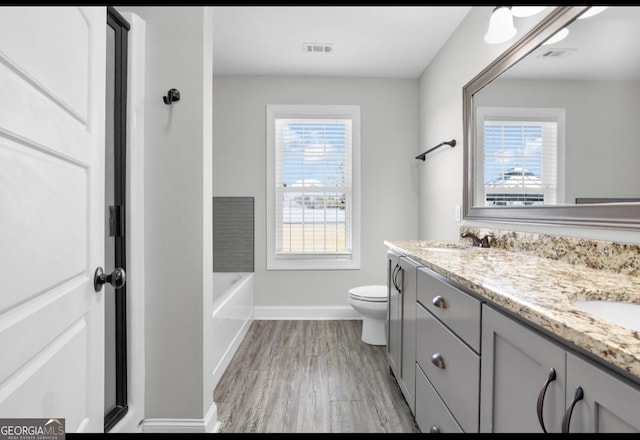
x: 232, y: 297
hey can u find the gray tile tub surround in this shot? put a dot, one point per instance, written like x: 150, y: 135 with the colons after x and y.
x: 233, y: 234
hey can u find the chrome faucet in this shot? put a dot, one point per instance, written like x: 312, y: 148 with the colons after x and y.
x: 479, y: 242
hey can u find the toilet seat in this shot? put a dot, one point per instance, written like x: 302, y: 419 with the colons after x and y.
x: 372, y: 293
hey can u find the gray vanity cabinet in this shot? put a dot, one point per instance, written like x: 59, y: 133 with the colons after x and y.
x: 519, y: 391
x: 448, y: 356
x: 516, y: 365
x: 432, y: 414
x: 394, y: 314
x: 609, y: 404
x: 401, y: 347
x: 408, y: 367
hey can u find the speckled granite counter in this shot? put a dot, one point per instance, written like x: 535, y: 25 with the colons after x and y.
x: 540, y: 290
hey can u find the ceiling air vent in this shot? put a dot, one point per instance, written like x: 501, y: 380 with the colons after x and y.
x: 317, y: 47
x: 556, y: 53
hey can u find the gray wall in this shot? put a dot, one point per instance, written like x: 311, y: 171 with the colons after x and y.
x: 389, y: 172
x: 440, y: 182
x: 177, y: 209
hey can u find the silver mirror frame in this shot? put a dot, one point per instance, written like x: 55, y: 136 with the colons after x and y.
x: 610, y: 215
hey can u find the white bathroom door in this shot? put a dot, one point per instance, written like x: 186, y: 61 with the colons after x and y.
x: 52, y: 129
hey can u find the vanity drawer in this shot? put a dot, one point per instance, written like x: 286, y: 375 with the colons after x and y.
x: 457, y: 380
x: 456, y: 309
x: 431, y: 413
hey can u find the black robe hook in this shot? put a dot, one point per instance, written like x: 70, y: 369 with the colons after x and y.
x: 172, y: 96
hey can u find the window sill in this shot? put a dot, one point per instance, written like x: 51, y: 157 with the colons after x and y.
x: 313, y: 264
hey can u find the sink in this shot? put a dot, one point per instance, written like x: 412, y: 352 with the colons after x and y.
x: 622, y: 313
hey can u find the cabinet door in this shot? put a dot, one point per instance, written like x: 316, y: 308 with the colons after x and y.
x: 394, y: 313
x: 516, y: 365
x: 408, y: 365
x: 609, y: 404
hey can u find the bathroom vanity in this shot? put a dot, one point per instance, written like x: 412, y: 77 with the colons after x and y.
x: 401, y: 323
x: 501, y: 344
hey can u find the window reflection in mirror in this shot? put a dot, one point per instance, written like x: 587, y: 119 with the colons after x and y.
x: 521, y: 151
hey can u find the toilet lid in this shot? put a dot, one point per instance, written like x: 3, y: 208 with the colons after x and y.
x: 370, y: 293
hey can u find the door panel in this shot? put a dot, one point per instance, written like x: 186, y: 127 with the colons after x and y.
x: 37, y: 323
x: 60, y: 65
x: 34, y: 380
x: 37, y: 186
x: 52, y: 72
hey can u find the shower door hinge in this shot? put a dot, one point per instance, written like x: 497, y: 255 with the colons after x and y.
x: 116, y: 220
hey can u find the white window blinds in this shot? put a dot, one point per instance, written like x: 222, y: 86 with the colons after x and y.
x: 313, y: 187
x: 520, y: 162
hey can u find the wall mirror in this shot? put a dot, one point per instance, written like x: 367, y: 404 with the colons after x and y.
x: 552, y: 129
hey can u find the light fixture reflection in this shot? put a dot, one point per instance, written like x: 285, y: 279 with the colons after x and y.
x: 526, y: 11
x: 501, y: 26
x: 558, y: 36
x: 593, y: 10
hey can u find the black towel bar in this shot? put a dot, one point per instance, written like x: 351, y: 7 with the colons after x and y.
x: 451, y: 143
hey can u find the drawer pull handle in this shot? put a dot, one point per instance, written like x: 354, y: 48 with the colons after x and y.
x: 437, y: 360
x: 551, y: 378
x: 439, y: 302
x: 435, y: 429
x: 566, y: 420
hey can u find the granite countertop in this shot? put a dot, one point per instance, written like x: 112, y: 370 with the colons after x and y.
x: 540, y: 290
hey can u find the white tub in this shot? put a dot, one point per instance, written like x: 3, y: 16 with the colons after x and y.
x: 232, y: 315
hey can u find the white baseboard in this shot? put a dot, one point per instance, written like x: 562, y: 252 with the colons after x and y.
x: 211, y: 419
x: 208, y: 424
x: 304, y: 312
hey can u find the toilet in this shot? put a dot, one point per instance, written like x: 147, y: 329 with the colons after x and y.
x: 371, y: 302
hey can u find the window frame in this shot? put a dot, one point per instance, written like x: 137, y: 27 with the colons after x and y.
x: 525, y: 114
x: 330, y: 261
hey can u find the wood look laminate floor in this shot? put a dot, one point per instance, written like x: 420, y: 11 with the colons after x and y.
x: 310, y: 376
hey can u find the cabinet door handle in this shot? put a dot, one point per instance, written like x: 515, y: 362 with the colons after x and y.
x: 399, y: 273
x: 393, y: 276
x: 396, y: 271
x: 435, y: 429
x: 551, y: 378
x: 437, y: 360
x: 439, y: 302
x: 566, y: 420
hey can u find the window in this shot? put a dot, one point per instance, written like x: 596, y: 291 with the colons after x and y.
x: 313, y: 191
x: 521, y: 150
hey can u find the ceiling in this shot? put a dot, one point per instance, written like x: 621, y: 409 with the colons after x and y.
x: 601, y: 47
x: 367, y: 41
